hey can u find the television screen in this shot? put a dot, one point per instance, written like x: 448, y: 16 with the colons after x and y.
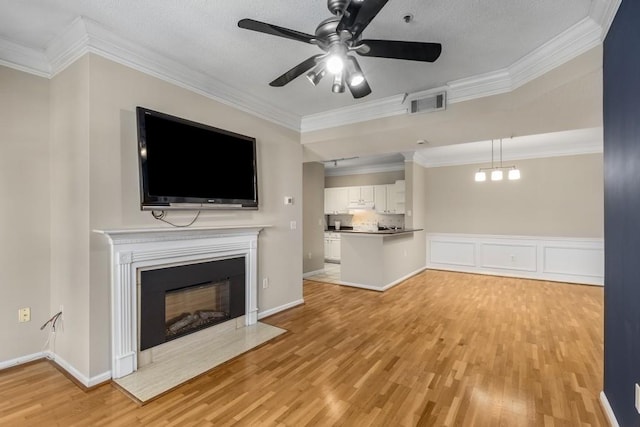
x: 189, y: 165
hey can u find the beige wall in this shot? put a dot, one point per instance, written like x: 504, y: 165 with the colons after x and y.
x: 557, y: 197
x: 115, y: 92
x: 70, y: 198
x: 415, y: 196
x: 378, y: 178
x: 313, y: 217
x: 90, y: 148
x: 24, y: 216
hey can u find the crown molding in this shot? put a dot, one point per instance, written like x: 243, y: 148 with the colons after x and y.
x: 24, y: 59
x: 86, y: 36
x: 386, y: 107
x: 566, y: 143
x: 360, y: 170
x: 573, y: 42
x: 603, y: 12
x: 488, y: 84
x: 580, y: 38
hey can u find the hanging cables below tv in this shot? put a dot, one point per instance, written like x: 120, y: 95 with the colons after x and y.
x: 52, y: 321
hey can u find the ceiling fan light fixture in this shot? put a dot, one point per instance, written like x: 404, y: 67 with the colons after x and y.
x: 315, y: 75
x: 339, y: 35
x: 335, y: 64
x: 338, y: 84
x: 356, y: 79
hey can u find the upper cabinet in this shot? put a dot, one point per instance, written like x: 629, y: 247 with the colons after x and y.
x: 380, y: 198
x: 385, y: 199
x: 336, y: 200
x: 361, y: 196
x: 399, y: 193
x: 389, y: 198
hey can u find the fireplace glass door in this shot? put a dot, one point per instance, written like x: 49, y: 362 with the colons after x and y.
x: 195, y: 307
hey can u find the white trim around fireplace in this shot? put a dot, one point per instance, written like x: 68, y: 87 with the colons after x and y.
x: 134, y: 249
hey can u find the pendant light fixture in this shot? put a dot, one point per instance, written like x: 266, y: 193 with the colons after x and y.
x: 496, y: 172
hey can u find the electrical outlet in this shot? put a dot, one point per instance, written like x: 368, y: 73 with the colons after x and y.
x: 293, y: 225
x: 638, y: 398
x: 24, y: 314
x: 265, y: 283
x: 309, y: 255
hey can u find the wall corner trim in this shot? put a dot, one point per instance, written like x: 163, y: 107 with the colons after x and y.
x: 608, y: 411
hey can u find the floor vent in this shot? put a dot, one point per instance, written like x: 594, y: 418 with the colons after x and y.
x: 434, y: 102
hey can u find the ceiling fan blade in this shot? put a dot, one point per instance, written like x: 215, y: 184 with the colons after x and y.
x: 360, y: 90
x: 358, y: 15
x: 295, y: 71
x: 413, y: 51
x: 274, y: 30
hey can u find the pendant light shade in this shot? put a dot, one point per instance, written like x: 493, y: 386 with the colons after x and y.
x: 481, y: 176
x: 514, y: 174
x: 496, y: 175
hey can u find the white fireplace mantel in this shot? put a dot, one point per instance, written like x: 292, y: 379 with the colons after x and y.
x: 148, y: 248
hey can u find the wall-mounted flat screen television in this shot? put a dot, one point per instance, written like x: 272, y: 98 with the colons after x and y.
x: 189, y: 165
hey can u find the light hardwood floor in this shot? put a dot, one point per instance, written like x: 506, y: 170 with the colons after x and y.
x: 441, y: 349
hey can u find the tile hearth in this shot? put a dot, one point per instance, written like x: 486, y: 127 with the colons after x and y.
x: 204, y: 353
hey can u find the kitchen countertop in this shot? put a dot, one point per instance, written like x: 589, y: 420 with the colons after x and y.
x: 377, y: 232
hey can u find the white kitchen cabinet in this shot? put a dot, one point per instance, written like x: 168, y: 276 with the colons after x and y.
x: 336, y: 200
x: 361, y: 195
x: 389, y: 198
x: 380, y: 198
x: 400, y: 194
x: 332, y: 246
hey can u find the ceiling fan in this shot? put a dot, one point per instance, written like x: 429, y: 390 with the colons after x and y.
x: 337, y: 37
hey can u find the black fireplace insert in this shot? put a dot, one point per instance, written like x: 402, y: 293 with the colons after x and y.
x: 177, y: 301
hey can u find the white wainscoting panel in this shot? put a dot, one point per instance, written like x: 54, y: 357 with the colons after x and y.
x: 453, y: 252
x: 508, y: 256
x: 573, y: 260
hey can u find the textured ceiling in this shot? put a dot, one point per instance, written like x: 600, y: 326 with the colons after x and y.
x: 477, y: 37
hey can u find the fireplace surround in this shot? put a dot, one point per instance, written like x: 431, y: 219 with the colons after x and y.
x: 134, y: 251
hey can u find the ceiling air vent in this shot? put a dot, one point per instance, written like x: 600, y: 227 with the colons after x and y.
x: 433, y: 102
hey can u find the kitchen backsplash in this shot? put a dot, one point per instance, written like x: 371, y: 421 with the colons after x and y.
x: 366, y: 219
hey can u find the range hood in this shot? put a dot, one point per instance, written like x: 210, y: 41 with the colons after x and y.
x: 361, y: 206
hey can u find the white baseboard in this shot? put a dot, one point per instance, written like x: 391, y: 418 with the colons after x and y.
x: 559, y: 259
x: 22, y: 360
x: 608, y: 411
x: 87, y: 382
x: 83, y: 379
x: 402, y: 279
x: 272, y: 311
x: 381, y: 288
x: 313, y: 273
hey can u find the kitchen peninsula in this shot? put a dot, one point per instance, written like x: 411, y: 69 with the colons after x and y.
x: 379, y: 260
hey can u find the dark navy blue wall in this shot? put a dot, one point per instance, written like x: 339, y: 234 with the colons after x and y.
x: 622, y: 212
